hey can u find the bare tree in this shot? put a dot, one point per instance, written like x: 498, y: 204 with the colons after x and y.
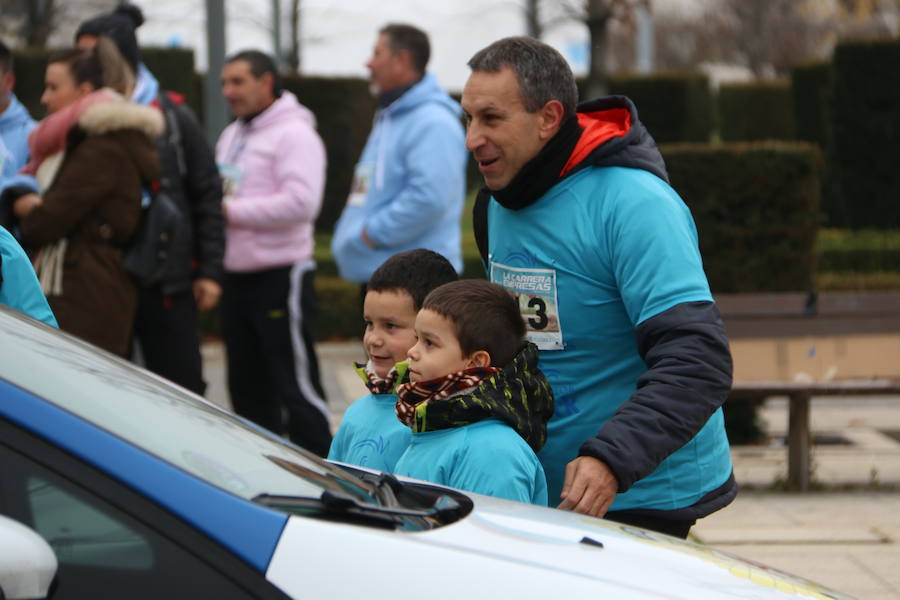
x: 39, y: 23
x: 533, y: 25
x: 294, y: 57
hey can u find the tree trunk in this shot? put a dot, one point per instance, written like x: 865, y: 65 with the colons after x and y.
x: 532, y: 19
x: 293, y: 58
x: 38, y: 23
x: 597, y: 21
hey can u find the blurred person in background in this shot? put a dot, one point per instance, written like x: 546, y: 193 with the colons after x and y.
x: 15, y: 125
x: 91, y: 157
x: 166, y: 328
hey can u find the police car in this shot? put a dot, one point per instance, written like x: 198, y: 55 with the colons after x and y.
x: 116, y: 484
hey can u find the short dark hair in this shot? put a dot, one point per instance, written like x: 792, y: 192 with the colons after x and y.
x: 413, y: 40
x: 6, y: 58
x: 260, y: 63
x: 542, y: 72
x: 416, y: 272
x: 484, y: 315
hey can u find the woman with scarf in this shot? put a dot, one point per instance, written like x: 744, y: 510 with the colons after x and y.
x: 92, y: 157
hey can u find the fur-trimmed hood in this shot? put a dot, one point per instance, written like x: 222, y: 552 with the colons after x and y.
x: 118, y: 114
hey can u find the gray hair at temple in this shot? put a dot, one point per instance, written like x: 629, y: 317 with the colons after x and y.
x: 542, y: 72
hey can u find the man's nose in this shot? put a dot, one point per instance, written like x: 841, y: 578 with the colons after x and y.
x: 474, y: 139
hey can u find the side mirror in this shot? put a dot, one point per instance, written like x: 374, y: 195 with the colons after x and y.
x: 27, y: 563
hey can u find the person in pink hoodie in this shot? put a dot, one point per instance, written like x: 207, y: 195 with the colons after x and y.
x: 272, y: 163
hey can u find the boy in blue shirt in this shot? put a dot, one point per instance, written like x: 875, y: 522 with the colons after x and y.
x: 370, y: 434
x: 476, y: 402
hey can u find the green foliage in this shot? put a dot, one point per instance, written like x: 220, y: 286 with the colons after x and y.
x: 675, y: 107
x: 756, y: 207
x: 29, y: 66
x: 344, y: 109
x: 811, y: 97
x: 338, y: 309
x: 174, y: 69
x: 860, y: 251
x: 756, y: 111
x: 867, y: 132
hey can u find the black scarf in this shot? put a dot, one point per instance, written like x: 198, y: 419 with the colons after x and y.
x: 543, y: 171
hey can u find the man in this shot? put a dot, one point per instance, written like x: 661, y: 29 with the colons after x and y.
x: 409, y: 184
x: 579, y: 222
x: 166, y: 328
x: 19, y: 287
x: 273, y: 164
x: 15, y: 122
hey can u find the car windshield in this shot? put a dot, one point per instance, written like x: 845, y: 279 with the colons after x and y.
x: 161, y: 419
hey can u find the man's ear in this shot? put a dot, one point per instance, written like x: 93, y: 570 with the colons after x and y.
x: 551, y: 118
x: 480, y: 358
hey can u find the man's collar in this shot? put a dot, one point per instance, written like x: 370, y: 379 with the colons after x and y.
x: 387, y: 98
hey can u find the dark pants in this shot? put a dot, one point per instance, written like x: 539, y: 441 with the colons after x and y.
x: 273, y: 373
x: 673, y: 527
x: 168, y: 335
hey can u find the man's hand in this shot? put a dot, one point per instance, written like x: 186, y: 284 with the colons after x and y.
x: 589, y: 488
x: 206, y: 293
x: 26, y: 203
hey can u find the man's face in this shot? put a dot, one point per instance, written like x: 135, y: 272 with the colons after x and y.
x: 501, y: 135
x: 246, y: 95
x: 390, y: 320
x: 437, y: 351
x: 387, y: 69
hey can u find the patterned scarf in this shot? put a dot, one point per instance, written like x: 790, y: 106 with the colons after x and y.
x: 411, y: 395
x: 382, y: 385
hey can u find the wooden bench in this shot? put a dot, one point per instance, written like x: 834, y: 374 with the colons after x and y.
x: 799, y: 395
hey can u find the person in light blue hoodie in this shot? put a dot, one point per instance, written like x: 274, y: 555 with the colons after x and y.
x: 409, y: 185
x: 15, y: 122
x: 19, y: 287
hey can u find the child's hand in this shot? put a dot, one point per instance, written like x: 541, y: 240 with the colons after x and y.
x: 590, y: 487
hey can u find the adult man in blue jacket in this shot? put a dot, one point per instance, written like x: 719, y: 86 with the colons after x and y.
x: 578, y: 221
x: 15, y: 122
x: 409, y: 184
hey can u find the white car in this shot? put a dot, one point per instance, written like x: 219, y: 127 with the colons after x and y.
x: 143, y: 490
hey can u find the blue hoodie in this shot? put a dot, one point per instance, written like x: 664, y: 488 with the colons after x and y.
x: 409, y: 185
x: 15, y: 125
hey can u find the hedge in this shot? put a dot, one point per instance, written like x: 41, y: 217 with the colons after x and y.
x: 756, y: 111
x: 174, y: 69
x: 867, y: 132
x: 756, y: 206
x: 29, y: 66
x: 675, y: 107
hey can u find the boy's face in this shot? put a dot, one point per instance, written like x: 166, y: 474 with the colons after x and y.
x: 437, y: 352
x: 389, y: 334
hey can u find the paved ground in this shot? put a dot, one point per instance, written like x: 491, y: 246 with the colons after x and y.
x: 846, y: 536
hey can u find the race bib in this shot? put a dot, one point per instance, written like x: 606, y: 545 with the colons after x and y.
x: 535, y: 290
x: 362, y: 178
x: 231, y: 178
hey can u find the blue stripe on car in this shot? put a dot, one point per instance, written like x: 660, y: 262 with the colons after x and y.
x: 248, y: 530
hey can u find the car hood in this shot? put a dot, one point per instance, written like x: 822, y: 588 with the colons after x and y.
x: 507, y: 547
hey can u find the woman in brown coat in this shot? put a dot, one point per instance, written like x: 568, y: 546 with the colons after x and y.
x: 92, y: 157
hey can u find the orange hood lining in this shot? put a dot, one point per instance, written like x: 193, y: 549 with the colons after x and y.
x: 598, y: 128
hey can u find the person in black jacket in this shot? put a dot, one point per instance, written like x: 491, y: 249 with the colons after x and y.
x: 166, y: 329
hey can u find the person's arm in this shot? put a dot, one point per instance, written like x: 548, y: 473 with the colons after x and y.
x: 434, y: 156
x: 299, y: 173
x: 19, y: 287
x: 204, y: 194
x: 680, y: 338
x: 75, y: 192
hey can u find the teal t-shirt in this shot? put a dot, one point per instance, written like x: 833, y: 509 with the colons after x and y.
x: 597, y: 255
x: 487, y: 457
x: 20, y: 288
x: 370, y: 434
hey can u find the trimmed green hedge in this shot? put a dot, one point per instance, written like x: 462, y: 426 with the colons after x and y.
x: 174, y: 69
x: 29, y: 65
x: 755, y: 111
x: 861, y: 251
x: 756, y: 206
x: 866, y: 130
x: 675, y: 107
x: 344, y: 109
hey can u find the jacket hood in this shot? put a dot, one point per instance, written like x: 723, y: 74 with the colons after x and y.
x: 613, y: 136
x: 519, y: 395
x: 117, y: 115
x: 15, y: 113
x: 285, y: 108
x: 424, y: 92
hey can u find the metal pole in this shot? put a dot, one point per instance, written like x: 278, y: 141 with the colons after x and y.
x: 214, y: 105
x: 276, y: 34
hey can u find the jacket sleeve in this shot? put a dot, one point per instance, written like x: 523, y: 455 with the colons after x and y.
x: 688, y: 377
x: 204, y: 193
x: 434, y: 155
x: 299, y: 180
x: 74, y: 192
